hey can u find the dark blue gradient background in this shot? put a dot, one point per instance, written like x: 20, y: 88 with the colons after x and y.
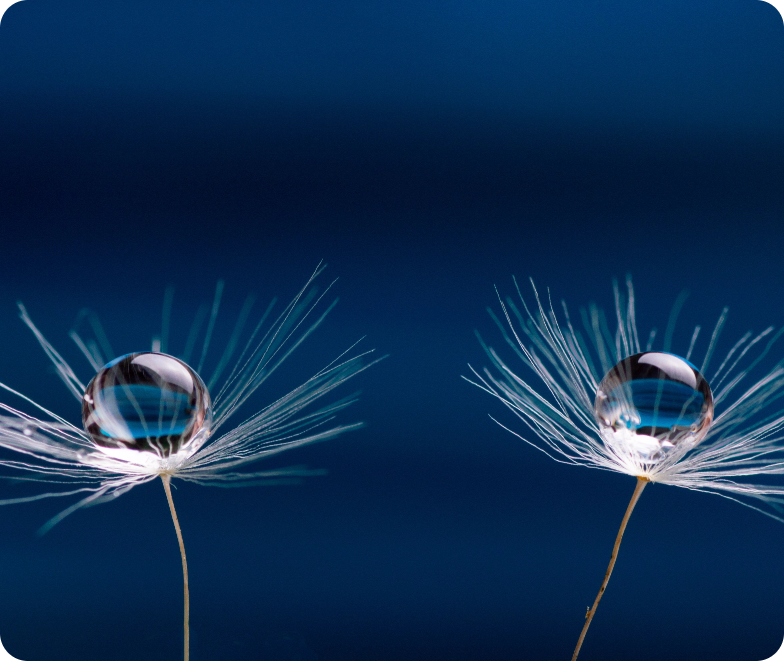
x: 427, y: 151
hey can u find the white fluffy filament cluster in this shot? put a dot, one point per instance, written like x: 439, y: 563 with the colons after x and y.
x: 745, y: 441
x: 55, y: 451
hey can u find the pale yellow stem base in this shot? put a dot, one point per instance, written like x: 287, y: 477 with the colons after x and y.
x: 186, y: 621
x: 641, y: 482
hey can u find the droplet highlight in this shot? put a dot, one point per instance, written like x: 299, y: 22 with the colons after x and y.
x: 653, y: 405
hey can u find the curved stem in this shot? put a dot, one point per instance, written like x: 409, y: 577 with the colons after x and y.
x: 166, y: 479
x: 641, y: 482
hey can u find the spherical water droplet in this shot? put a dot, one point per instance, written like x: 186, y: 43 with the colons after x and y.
x: 652, y: 405
x: 146, y: 405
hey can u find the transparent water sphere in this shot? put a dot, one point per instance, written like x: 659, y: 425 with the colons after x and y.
x: 653, y: 405
x: 147, y: 406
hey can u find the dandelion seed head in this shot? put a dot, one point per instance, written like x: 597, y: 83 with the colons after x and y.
x: 591, y: 396
x: 149, y: 409
x: 149, y: 414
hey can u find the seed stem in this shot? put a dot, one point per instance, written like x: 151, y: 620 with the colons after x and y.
x: 166, y: 479
x: 641, y: 482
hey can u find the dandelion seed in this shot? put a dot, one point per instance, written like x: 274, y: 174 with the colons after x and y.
x: 607, y: 403
x: 149, y: 415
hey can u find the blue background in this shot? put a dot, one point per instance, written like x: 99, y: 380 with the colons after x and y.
x: 427, y: 151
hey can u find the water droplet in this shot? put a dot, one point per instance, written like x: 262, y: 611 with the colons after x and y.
x: 652, y: 405
x: 144, y: 404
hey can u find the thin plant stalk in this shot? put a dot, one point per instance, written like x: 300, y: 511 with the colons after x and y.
x: 166, y: 479
x: 641, y: 482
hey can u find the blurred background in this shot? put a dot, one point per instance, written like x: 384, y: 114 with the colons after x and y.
x: 427, y: 151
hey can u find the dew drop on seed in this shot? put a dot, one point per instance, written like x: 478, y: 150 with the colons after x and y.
x: 653, y: 405
x: 147, y: 403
